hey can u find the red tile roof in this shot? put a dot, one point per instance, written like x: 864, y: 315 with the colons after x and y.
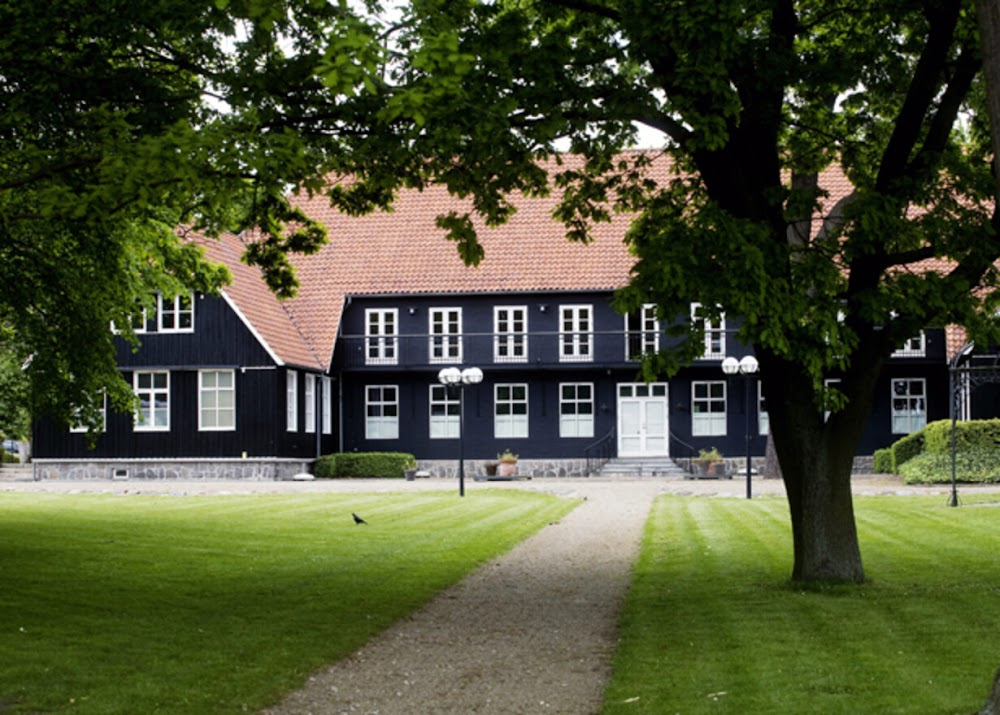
x: 404, y: 252
x: 266, y: 316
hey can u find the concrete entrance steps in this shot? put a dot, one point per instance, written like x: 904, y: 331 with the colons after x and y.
x: 641, y: 467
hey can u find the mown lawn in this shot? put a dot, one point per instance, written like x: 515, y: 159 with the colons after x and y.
x: 134, y: 604
x: 713, y: 625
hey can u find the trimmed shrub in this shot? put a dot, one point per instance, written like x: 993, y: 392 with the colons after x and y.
x: 975, y: 434
x: 882, y: 461
x: 905, y: 449
x: 363, y: 465
x: 981, y: 466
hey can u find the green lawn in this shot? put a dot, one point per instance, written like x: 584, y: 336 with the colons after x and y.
x: 112, y: 604
x: 713, y: 625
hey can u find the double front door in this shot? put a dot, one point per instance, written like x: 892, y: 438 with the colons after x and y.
x: 642, y: 420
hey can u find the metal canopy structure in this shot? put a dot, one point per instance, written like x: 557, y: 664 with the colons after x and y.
x: 966, y: 372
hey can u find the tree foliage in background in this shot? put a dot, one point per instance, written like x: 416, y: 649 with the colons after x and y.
x: 754, y: 99
x: 120, y: 122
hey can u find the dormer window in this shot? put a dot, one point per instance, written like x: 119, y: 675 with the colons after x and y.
x: 176, y: 315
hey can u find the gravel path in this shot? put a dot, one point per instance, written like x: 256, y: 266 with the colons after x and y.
x: 531, y: 632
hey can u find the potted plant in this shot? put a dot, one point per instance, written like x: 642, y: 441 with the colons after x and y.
x: 709, y: 462
x: 507, y: 466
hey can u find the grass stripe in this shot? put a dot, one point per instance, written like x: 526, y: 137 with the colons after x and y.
x: 221, y: 604
x: 712, y: 624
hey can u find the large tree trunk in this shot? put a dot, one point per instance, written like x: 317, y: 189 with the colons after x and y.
x: 816, y: 456
x: 818, y: 483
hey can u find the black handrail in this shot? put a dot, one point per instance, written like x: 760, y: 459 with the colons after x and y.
x: 683, y: 449
x: 600, y: 452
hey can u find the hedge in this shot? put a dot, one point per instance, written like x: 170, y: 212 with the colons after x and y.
x: 905, y: 449
x: 363, y: 465
x: 973, y: 465
x: 976, y: 434
x: 882, y: 461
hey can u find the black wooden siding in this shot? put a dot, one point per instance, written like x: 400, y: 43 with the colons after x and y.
x: 220, y: 340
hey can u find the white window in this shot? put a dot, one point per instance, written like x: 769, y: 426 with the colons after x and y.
x: 715, y: 333
x: 445, y: 335
x: 909, y: 405
x: 445, y: 413
x: 914, y: 347
x: 216, y: 400
x: 327, y: 400
x: 139, y: 321
x: 78, y: 426
x: 292, y: 401
x: 176, y: 315
x: 382, y: 412
x: 510, y: 411
x: 381, y: 336
x: 576, y: 409
x: 642, y: 333
x: 708, y: 408
x: 310, y: 406
x: 763, y: 419
x: 510, y: 333
x: 153, y: 392
x: 575, y: 336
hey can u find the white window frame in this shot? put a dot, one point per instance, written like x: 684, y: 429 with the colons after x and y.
x: 714, y: 347
x: 444, y: 413
x: 706, y: 419
x: 78, y: 428
x: 383, y: 399
x: 292, y: 401
x: 908, y: 409
x: 309, y: 408
x: 219, y: 401
x: 510, y: 410
x: 510, y: 333
x: 576, y: 412
x: 647, y: 333
x: 763, y: 418
x: 174, y: 310
x: 381, y: 336
x: 153, y: 411
x: 444, y: 326
x: 914, y: 347
x: 576, y: 336
x: 326, y: 385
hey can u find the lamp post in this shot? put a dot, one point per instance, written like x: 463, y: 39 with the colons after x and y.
x: 746, y: 367
x: 455, y: 381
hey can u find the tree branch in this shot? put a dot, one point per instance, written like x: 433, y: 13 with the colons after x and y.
x: 942, y: 21
x: 592, y: 8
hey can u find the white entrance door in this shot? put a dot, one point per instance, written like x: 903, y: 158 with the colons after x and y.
x: 642, y: 420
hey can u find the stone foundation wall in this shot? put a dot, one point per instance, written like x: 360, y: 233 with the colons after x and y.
x: 140, y: 469
x: 525, y: 467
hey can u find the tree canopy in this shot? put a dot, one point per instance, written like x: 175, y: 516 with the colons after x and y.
x: 754, y: 101
x: 121, y: 122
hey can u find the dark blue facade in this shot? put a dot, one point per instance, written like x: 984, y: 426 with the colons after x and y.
x: 410, y: 368
x: 560, y: 376
x: 218, y: 341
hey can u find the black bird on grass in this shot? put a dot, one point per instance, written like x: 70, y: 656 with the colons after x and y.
x: 358, y: 519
